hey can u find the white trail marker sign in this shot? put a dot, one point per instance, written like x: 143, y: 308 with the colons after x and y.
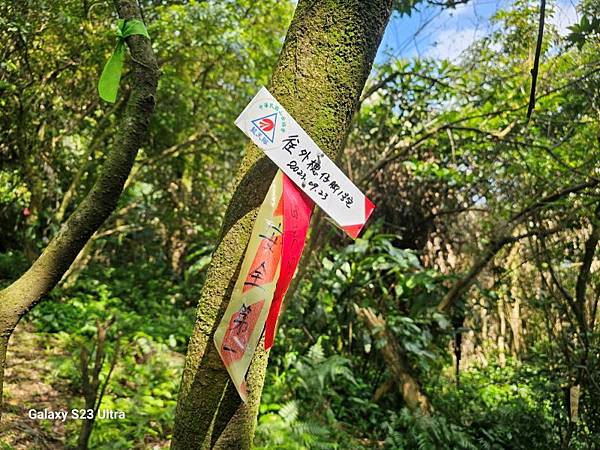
x: 284, y: 141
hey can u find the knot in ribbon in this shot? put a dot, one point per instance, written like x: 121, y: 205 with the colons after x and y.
x: 111, y: 74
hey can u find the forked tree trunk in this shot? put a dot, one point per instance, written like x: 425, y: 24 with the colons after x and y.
x: 322, y: 69
x: 48, y: 269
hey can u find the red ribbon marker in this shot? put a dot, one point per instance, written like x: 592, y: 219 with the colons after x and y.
x: 297, y: 210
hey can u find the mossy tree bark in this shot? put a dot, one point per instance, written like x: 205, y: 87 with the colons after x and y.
x: 322, y: 69
x: 47, y: 270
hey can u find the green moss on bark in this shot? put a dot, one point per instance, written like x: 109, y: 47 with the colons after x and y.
x: 48, y: 269
x: 322, y: 69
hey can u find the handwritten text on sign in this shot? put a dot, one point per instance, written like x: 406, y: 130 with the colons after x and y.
x: 275, y: 132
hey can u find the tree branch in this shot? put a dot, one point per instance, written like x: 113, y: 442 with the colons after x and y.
x: 462, y: 285
x: 48, y: 269
x: 584, y: 271
x: 536, y: 61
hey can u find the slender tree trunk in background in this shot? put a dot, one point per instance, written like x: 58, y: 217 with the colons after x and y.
x: 48, y: 269
x: 177, y: 251
x: 181, y: 230
x: 93, y: 388
x: 79, y: 264
x: 100, y: 132
x: 515, y: 327
x: 515, y: 294
x: 485, y: 336
x: 35, y: 185
x: 501, y: 333
x: 396, y: 362
x: 458, y: 322
x: 322, y: 69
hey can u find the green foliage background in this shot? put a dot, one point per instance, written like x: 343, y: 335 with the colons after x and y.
x: 443, y: 149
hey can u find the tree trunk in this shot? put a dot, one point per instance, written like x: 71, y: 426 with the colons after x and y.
x: 48, y: 269
x: 396, y: 362
x: 515, y: 327
x: 515, y: 295
x: 83, y: 258
x: 501, y: 341
x: 102, y: 129
x: 322, y: 69
x: 238, y: 432
x: 4, y: 338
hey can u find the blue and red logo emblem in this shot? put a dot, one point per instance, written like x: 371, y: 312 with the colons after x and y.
x: 266, y: 125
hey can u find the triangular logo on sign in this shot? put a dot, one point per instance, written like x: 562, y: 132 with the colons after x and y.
x: 266, y: 125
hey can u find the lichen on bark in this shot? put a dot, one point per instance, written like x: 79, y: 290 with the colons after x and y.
x: 326, y: 58
x: 45, y: 272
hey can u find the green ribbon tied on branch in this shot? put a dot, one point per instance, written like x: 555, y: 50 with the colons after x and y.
x: 111, y: 74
